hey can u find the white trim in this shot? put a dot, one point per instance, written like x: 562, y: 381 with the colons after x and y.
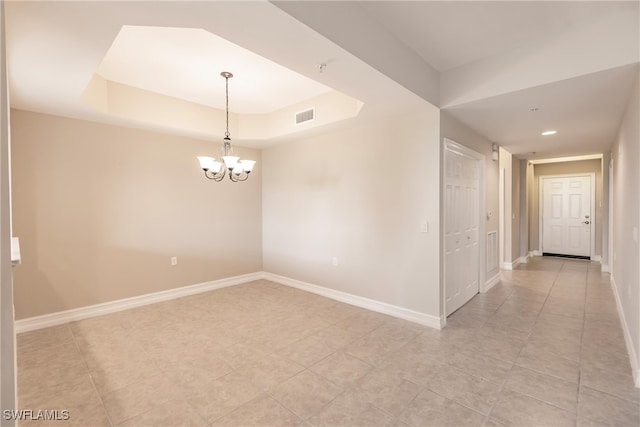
x: 596, y: 258
x: 369, y: 304
x: 605, y: 268
x: 514, y: 264
x: 501, y: 219
x: 610, y: 216
x: 566, y: 159
x: 60, y: 317
x: 491, y: 282
x: 633, y: 358
x: 592, y: 213
x: 535, y: 252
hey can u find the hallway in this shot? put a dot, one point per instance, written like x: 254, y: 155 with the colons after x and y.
x: 556, y: 319
x: 544, y: 347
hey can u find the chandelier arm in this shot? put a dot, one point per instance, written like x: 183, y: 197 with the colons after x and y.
x: 239, y: 178
x: 214, y: 176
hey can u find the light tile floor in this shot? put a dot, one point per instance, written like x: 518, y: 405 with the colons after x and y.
x: 543, y: 347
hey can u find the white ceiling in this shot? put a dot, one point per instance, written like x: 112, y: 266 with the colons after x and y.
x: 487, y: 63
x: 54, y: 49
x: 186, y: 63
x: 586, y: 112
x: 499, y: 59
x: 451, y: 34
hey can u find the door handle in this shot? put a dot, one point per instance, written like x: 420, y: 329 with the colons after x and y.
x: 586, y: 222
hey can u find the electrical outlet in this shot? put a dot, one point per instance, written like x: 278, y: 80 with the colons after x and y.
x: 424, y: 227
x: 174, y: 260
x: 334, y: 261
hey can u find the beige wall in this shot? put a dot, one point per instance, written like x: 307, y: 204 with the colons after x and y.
x: 626, y: 218
x: 505, y: 206
x: 565, y: 168
x: 523, y: 232
x: 515, y: 209
x: 530, y: 207
x: 606, y: 201
x: 359, y: 195
x: 7, y: 335
x: 456, y: 131
x: 101, y: 209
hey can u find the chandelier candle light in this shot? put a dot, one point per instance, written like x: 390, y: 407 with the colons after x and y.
x: 239, y: 170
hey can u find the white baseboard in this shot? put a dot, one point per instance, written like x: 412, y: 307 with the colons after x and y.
x: 369, y: 304
x: 510, y: 265
x: 516, y: 262
x: 605, y: 268
x: 58, y: 318
x: 627, y: 336
x: 597, y: 258
x: 535, y: 252
x: 491, y: 282
x: 61, y: 317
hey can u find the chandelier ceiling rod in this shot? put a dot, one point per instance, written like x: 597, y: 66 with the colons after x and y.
x: 238, y: 170
x: 227, y: 75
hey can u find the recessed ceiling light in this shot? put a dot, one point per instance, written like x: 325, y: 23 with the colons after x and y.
x: 549, y: 132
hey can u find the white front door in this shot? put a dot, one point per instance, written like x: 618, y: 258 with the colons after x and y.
x: 462, y: 199
x: 566, y: 215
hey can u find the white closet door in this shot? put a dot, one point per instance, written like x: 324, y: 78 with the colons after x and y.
x: 462, y: 200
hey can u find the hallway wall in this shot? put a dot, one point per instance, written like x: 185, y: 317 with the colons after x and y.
x: 523, y: 221
x: 515, y: 209
x: 7, y: 335
x: 626, y: 219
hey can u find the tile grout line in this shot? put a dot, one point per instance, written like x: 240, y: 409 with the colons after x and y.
x: 584, y: 320
x: 557, y: 283
x: 93, y: 383
x: 526, y: 342
x: 426, y: 387
x: 486, y: 416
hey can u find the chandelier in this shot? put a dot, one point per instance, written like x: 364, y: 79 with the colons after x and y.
x: 238, y: 170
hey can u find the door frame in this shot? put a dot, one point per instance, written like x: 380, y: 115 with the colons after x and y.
x: 455, y: 147
x: 592, y: 214
x: 610, y: 260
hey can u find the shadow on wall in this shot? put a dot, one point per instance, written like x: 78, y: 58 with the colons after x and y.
x: 100, y: 211
x: 54, y: 282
